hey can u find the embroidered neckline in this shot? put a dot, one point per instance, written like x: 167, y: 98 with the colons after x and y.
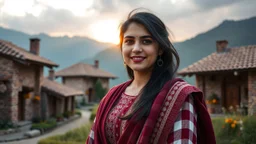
x: 129, y: 95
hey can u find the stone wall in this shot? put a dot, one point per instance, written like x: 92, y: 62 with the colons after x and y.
x: 6, y: 98
x: 21, y: 76
x: 252, y: 92
x: 85, y: 83
x: 214, y: 84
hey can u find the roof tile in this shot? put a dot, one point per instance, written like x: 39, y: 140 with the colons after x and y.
x: 9, y: 49
x: 235, y: 59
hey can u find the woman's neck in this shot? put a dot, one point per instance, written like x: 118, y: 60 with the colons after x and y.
x: 139, y: 81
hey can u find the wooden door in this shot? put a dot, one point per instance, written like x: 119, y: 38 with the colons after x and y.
x: 232, y: 96
x: 21, y: 106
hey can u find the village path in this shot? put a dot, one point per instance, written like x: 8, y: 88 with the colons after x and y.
x: 60, y: 130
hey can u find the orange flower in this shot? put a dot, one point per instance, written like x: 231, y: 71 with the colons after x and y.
x: 235, y: 122
x: 233, y: 125
x: 27, y: 96
x: 226, y: 120
x: 207, y: 102
x: 37, y: 98
x: 214, y: 101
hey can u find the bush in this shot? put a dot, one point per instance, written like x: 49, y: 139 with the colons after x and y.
x: 67, y: 114
x: 59, y: 117
x: 93, y: 114
x: 76, y: 136
x: 5, y: 124
x: 249, y: 130
x: 36, y: 119
x: 51, y: 123
x: 78, y: 112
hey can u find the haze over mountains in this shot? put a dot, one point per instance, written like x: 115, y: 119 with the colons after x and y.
x: 67, y: 51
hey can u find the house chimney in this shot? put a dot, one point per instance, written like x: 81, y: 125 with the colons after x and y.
x: 51, y: 74
x: 96, y: 63
x: 35, y: 45
x: 221, y: 46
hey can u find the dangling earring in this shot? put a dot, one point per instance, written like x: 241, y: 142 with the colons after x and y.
x: 124, y: 63
x: 160, y: 62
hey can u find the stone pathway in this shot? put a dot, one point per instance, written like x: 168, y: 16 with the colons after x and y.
x: 60, y: 130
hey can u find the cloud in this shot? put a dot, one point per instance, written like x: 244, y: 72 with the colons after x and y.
x: 208, y: 5
x: 185, y: 18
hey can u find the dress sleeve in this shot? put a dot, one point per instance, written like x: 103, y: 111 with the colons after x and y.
x: 184, y: 129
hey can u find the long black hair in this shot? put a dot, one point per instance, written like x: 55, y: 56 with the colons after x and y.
x: 160, y: 74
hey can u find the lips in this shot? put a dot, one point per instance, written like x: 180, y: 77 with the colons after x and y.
x: 137, y: 59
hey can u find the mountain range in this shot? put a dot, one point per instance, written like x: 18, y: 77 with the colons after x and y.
x: 69, y: 50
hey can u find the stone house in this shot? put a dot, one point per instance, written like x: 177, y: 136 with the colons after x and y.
x: 57, y: 98
x: 230, y: 73
x: 21, y: 73
x: 83, y: 77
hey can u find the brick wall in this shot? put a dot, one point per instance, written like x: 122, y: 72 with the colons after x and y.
x: 252, y: 92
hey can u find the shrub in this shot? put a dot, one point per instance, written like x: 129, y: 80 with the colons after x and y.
x: 5, y: 124
x: 78, y: 112
x: 59, y: 117
x: 51, y: 123
x: 67, y: 114
x: 36, y: 119
x: 249, y: 130
x: 93, y: 114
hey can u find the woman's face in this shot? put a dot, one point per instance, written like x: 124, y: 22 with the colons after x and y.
x: 139, y: 50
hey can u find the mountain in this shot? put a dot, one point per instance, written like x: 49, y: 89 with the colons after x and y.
x: 62, y: 50
x: 238, y: 33
x: 69, y: 50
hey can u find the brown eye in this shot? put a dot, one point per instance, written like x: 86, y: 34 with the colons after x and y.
x: 147, y: 42
x: 128, y: 42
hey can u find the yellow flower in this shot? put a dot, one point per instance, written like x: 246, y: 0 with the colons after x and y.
x: 235, y: 122
x: 226, y: 120
x: 233, y: 125
x: 214, y: 101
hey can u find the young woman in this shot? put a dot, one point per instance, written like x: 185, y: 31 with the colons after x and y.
x: 154, y: 106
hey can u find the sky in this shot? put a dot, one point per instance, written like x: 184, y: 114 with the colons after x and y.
x: 99, y: 19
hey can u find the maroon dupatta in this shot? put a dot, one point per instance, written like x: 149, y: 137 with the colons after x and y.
x: 157, y: 126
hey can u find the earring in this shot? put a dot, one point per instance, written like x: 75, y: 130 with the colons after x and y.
x: 160, y: 62
x: 124, y: 63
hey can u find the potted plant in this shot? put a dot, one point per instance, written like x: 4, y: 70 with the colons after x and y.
x: 59, y: 117
x: 212, y: 101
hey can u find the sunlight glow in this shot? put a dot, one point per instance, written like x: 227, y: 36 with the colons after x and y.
x: 105, y: 31
x: 35, y: 7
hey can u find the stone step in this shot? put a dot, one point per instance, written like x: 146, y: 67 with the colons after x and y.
x: 32, y: 133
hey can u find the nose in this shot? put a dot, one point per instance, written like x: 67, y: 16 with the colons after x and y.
x: 137, y: 47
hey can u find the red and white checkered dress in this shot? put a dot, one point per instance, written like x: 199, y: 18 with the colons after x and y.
x: 183, y: 131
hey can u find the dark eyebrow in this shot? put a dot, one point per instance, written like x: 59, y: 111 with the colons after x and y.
x: 146, y: 36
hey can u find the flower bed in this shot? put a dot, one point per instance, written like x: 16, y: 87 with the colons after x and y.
x: 235, y: 129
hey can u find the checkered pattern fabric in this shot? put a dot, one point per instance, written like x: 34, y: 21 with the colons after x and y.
x: 184, y: 129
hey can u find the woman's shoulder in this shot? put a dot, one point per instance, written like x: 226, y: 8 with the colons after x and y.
x: 183, y: 87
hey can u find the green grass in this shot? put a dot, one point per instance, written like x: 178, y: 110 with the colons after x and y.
x: 76, y: 136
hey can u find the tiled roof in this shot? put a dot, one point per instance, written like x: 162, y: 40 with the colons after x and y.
x: 81, y: 69
x: 239, y: 58
x: 15, y: 52
x: 59, y: 89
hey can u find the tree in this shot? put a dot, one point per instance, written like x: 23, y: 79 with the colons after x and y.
x: 99, y: 90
